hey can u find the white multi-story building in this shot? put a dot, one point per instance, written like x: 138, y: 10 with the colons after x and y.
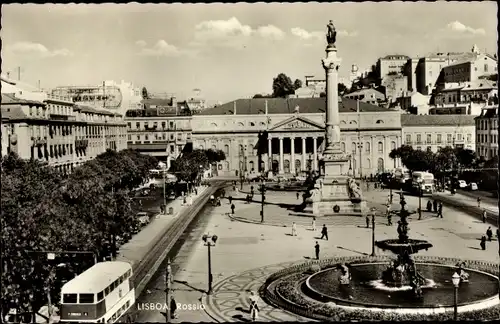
x: 53, y: 130
x: 432, y: 132
x: 487, y: 133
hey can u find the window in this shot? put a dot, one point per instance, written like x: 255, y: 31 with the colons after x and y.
x: 163, y: 124
x: 129, y: 125
x: 226, y: 149
x: 137, y: 125
x: 146, y: 137
x: 69, y: 298
x: 156, y: 136
x: 419, y: 138
x: 164, y: 136
x: 342, y: 146
x: 408, y: 139
x: 367, y: 147
x: 86, y: 298
x: 448, y: 138
x: 393, y: 145
x: 146, y: 125
x: 155, y: 124
x: 429, y: 138
x: 171, y: 124
x: 380, y: 147
x: 171, y: 137
x: 353, y: 147
x: 172, y: 149
x: 438, y: 138
x: 100, y: 295
x: 138, y: 137
x: 459, y: 137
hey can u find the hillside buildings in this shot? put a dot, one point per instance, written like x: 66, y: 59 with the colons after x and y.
x: 487, y: 133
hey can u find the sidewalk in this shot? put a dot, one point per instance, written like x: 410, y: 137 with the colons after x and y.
x: 467, y: 204
x: 140, y: 244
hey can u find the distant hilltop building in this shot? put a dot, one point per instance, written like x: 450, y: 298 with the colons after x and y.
x: 110, y: 95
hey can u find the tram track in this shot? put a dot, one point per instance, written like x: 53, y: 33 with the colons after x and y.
x: 145, y: 269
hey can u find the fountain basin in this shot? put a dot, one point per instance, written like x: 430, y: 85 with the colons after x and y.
x: 409, y: 247
x: 367, y: 290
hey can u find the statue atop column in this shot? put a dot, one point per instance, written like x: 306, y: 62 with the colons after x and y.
x: 331, y: 34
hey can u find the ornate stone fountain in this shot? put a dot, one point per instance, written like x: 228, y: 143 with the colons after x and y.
x: 402, y: 271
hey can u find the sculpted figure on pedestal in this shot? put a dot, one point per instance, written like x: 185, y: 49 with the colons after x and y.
x: 331, y: 34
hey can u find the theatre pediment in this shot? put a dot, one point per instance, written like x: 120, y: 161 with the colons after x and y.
x: 297, y: 124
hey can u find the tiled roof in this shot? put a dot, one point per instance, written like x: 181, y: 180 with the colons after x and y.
x: 389, y: 57
x: 13, y: 112
x: 286, y: 106
x: 437, y: 120
x: 157, y: 102
x: 10, y: 99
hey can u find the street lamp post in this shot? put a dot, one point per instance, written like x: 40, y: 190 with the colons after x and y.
x: 164, y: 190
x: 262, y: 191
x: 456, y: 282
x: 168, y: 291
x: 374, y: 211
x: 209, y: 241
x: 420, y: 200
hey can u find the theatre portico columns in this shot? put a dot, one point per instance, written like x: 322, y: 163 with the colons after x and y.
x: 292, y: 153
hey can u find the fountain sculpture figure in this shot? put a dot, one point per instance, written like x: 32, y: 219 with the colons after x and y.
x: 402, y: 271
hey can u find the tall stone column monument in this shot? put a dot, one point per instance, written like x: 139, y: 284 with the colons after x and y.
x: 334, y: 193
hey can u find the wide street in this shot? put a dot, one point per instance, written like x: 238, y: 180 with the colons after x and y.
x: 247, y: 253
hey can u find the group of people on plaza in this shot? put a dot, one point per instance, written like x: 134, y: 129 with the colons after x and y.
x: 436, y: 206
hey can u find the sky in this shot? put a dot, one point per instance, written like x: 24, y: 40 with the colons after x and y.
x: 227, y: 51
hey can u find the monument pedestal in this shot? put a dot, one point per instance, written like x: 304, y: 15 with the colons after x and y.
x: 334, y: 193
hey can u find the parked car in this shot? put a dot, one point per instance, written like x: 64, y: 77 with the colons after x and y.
x: 462, y: 184
x: 473, y: 186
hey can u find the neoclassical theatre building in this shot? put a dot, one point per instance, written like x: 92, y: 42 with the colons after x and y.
x: 286, y: 136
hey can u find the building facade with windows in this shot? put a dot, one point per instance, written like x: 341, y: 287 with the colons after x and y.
x: 58, y: 132
x: 391, y: 65
x: 432, y: 132
x: 286, y: 136
x: 164, y: 132
x: 487, y: 133
x: 370, y: 96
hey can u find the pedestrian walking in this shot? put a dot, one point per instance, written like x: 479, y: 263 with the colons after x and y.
x: 440, y: 210
x: 489, y: 233
x: 294, y: 229
x: 389, y: 219
x: 484, y: 215
x: 478, y: 202
x: 254, y: 307
x: 483, y: 243
x: 316, y: 249
x: 324, y: 232
x: 232, y: 208
x: 298, y: 195
x: 429, y: 206
x: 367, y: 219
x: 435, y: 205
x: 313, y: 225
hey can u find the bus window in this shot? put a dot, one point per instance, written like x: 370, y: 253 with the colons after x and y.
x: 100, y: 295
x: 86, y: 298
x: 129, y: 273
x: 120, y: 280
x: 108, y: 289
x: 69, y: 298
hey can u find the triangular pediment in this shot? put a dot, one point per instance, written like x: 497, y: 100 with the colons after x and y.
x: 297, y: 123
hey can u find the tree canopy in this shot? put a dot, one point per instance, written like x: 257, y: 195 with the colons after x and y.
x: 43, y: 210
x: 447, y: 158
x: 283, y: 86
x: 189, y: 165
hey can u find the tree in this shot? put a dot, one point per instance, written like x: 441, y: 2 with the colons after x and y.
x: 258, y: 95
x: 297, y: 84
x: 466, y: 158
x: 282, y: 86
x: 145, y: 93
x: 342, y: 89
x: 187, y: 167
x: 414, y: 160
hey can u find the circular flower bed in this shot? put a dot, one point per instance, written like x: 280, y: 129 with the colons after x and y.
x: 282, y: 289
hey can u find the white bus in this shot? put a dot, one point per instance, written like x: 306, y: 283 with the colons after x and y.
x: 101, y: 294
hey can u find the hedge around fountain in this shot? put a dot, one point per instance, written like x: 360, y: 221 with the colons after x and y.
x: 285, y: 294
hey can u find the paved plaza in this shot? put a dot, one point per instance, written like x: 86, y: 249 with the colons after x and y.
x: 246, y: 253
